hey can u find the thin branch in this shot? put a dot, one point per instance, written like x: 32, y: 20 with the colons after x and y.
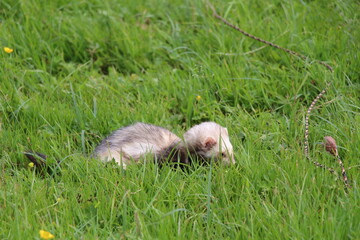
x: 313, y: 103
x: 215, y: 14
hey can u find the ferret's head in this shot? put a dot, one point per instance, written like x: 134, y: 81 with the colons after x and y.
x: 210, y: 140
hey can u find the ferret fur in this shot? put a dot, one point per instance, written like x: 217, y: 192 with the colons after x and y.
x: 209, y: 140
x: 133, y: 142
x: 205, y: 141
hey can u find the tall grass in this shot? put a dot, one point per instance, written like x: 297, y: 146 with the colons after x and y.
x: 81, y: 69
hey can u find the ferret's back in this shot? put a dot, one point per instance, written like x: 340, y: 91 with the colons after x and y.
x: 139, y: 133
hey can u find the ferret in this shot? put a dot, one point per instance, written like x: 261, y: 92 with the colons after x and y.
x: 205, y: 141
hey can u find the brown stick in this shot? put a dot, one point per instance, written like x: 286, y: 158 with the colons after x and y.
x: 306, y: 136
x: 331, y: 147
x: 313, y: 103
x: 264, y: 41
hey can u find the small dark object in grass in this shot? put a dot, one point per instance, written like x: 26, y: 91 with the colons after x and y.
x: 40, y: 162
x: 38, y: 159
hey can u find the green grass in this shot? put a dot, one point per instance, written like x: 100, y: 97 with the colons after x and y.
x: 81, y: 69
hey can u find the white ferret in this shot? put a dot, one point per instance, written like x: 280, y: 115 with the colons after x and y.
x: 206, y: 141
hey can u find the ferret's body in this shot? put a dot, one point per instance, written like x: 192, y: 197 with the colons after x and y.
x: 205, y: 141
x: 133, y: 142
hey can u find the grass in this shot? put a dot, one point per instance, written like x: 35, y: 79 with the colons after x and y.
x: 81, y: 69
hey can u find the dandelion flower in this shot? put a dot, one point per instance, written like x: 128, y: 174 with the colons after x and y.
x: 46, y: 235
x: 31, y: 165
x: 198, y: 97
x: 8, y: 50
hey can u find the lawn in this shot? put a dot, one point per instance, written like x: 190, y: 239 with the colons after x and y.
x: 81, y: 69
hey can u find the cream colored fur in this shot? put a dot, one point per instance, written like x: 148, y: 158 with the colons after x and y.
x: 200, y: 134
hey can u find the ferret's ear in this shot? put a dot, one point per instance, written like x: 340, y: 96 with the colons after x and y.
x: 209, y: 143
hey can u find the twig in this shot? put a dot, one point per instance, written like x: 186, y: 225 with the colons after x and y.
x: 306, y: 136
x: 331, y: 147
x: 264, y: 41
x: 313, y: 103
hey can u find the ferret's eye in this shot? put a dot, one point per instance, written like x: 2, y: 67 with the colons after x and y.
x: 223, y: 155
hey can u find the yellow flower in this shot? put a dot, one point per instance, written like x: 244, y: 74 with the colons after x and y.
x: 46, y: 235
x: 31, y: 164
x: 198, y: 97
x: 8, y: 50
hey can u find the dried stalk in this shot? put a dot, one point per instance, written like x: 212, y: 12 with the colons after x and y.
x: 313, y: 103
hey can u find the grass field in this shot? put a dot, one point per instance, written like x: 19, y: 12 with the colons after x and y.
x: 81, y: 69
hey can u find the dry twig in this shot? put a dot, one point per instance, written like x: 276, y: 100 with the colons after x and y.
x: 330, y: 146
